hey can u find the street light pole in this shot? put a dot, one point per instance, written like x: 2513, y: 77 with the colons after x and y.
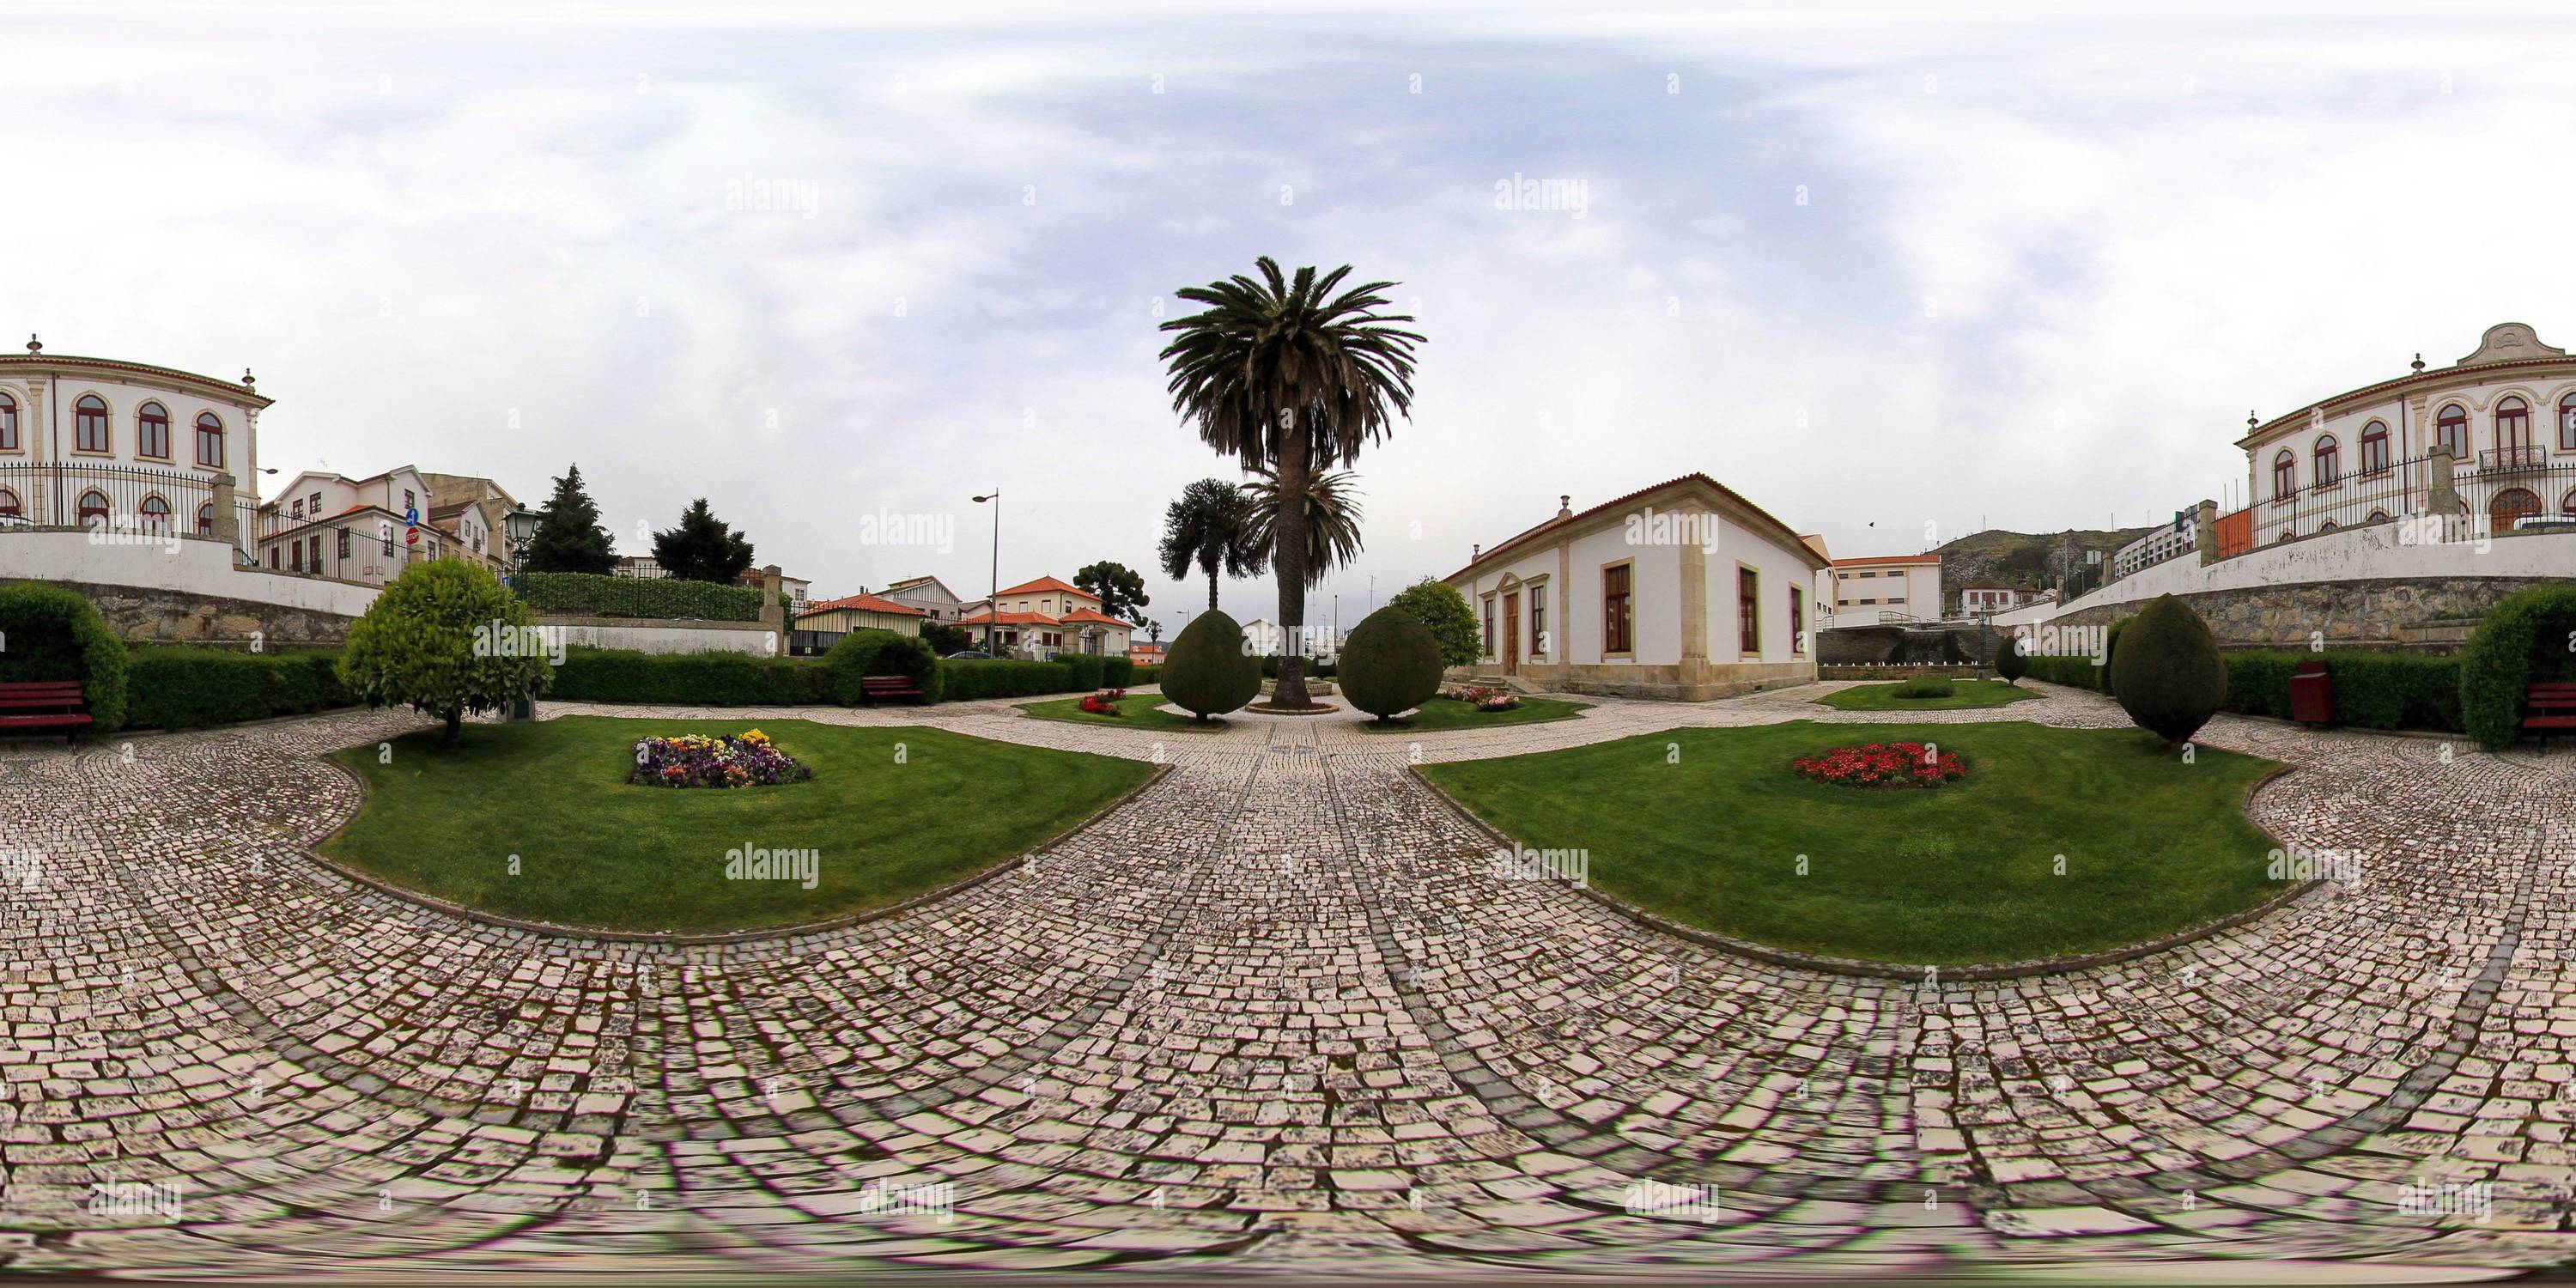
x: 993, y: 605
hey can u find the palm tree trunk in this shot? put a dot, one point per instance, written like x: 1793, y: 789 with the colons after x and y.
x: 1211, y: 590
x: 1288, y: 560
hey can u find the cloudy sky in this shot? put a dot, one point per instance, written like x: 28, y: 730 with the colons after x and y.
x: 1893, y: 273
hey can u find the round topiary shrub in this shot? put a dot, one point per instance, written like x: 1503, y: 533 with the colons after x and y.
x: 1209, y: 672
x: 2528, y: 638
x: 2166, y: 672
x: 2110, y: 650
x: 2009, y: 662
x: 1391, y: 663
x: 863, y: 653
x: 49, y: 633
x: 1925, y: 686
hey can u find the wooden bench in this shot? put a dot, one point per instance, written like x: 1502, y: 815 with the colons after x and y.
x: 2552, y: 704
x: 43, y: 704
x: 873, y: 687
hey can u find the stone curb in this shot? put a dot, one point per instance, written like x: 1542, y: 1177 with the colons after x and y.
x: 1895, y: 971
x: 988, y: 872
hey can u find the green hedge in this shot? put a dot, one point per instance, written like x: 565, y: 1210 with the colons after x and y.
x: 872, y: 652
x: 2077, y: 671
x: 1147, y: 675
x: 2371, y: 690
x: 2529, y: 637
x: 49, y: 633
x: 1002, y: 678
x: 582, y: 594
x: 1117, y: 672
x: 175, y: 686
x: 690, y: 679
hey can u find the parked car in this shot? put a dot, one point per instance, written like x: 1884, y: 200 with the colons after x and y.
x: 969, y: 655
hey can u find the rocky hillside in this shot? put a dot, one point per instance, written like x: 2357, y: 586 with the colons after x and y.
x: 2023, y: 558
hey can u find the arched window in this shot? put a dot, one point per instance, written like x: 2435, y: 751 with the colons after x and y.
x: 2288, y: 534
x: 2567, y: 423
x: 152, y: 431
x: 93, y: 507
x: 2377, y: 516
x: 210, y: 441
x: 2513, y: 429
x: 2511, y: 506
x: 2374, y: 448
x: 2451, y: 429
x: 206, y: 519
x: 10, y: 509
x: 8, y: 423
x: 155, y: 514
x: 2566, y: 504
x: 2328, y: 461
x: 89, y: 418
x: 2285, y: 475
x: 2328, y: 526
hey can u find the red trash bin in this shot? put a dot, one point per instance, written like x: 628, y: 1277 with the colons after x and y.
x: 2312, y: 694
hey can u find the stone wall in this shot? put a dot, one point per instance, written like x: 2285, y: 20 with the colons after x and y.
x: 188, y: 617
x: 1898, y: 645
x: 2352, y: 614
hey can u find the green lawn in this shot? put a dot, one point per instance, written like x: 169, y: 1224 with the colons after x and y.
x: 596, y: 852
x: 1707, y: 826
x: 1135, y: 711
x: 1965, y: 694
x: 1448, y: 713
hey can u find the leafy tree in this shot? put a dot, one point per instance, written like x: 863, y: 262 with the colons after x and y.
x: 702, y: 548
x: 1153, y: 631
x: 1121, y: 590
x: 2166, y: 671
x: 1211, y: 527
x: 445, y: 637
x: 1290, y: 375
x: 1452, y: 623
x: 946, y: 638
x: 1391, y: 664
x: 1332, y: 519
x: 569, y: 538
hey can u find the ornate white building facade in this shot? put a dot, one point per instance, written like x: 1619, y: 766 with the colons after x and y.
x: 126, y: 446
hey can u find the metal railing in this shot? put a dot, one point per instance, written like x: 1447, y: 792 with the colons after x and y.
x: 2499, y: 460
x: 2352, y: 499
x: 2507, y: 496
x: 116, y: 498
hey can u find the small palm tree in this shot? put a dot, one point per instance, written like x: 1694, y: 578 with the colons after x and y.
x: 1211, y: 527
x: 1287, y: 374
x: 1332, y: 519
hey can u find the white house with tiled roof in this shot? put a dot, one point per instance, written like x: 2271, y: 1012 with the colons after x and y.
x: 1048, y: 616
x: 1680, y: 590
x: 364, y: 529
x: 929, y: 594
x: 1869, y: 589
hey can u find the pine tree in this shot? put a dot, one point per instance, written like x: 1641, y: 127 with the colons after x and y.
x: 569, y: 538
x: 702, y: 547
x: 1120, y: 589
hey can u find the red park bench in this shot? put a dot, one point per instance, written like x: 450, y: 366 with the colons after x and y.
x: 2553, y: 706
x: 873, y: 687
x: 43, y: 704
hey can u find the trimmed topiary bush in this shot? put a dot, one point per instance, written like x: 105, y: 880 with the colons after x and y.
x: 1925, y: 686
x: 1117, y: 672
x: 2527, y: 638
x: 1003, y: 678
x: 49, y: 633
x: 1209, y: 672
x: 1391, y: 664
x: 2111, y: 653
x: 582, y: 594
x: 1147, y: 675
x: 863, y: 653
x: 2009, y: 663
x: 183, y: 687
x: 691, y: 679
x: 2165, y: 670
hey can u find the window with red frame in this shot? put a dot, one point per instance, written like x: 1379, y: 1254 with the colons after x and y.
x: 1489, y: 627
x: 89, y: 420
x: 2513, y: 425
x: 1748, y: 609
x: 206, y: 519
x: 93, y: 506
x: 2566, y: 424
x: 210, y: 441
x: 2328, y: 462
x: 2451, y: 429
x: 8, y: 423
x: 1618, y: 614
x: 9, y: 508
x: 2374, y: 448
x: 1797, y: 620
x: 152, y: 431
x: 2285, y: 475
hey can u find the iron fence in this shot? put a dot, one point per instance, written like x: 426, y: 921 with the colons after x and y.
x: 2349, y: 500
x: 117, y: 498
x: 2524, y: 486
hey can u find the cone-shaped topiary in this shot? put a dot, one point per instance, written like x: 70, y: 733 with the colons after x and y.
x: 2166, y: 672
x: 1209, y: 671
x: 1391, y: 664
x: 2009, y: 662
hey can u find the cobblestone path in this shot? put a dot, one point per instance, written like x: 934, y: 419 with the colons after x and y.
x: 1271, y: 1014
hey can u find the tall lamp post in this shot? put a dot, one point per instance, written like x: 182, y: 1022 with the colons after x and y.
x: 993, y: 604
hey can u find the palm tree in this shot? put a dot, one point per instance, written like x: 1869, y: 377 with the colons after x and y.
x: 1211, y: 527
x: 1289, y: 375
x: 1332, y: 519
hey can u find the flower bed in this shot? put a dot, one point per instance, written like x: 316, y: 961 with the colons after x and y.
x: 1103, y: 704
x: 1883, y: 764
x: 746, y: 759
x: 1484, y: 699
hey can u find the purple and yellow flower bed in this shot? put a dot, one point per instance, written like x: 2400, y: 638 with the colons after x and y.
x: 746, y: 759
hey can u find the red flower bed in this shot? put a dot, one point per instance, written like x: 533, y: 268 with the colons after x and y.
x: 1883, y: 764
x: 1103, y: 704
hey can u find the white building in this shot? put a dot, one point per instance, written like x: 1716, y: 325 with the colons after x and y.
x: 1680, y: 590
x: 364, y: 530
x: 1871, y: 589
x: 2506, y: 413
x: 929, y: 594
x: 1045, y: 617
x: 91, y: 442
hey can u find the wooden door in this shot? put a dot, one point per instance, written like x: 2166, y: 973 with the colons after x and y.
x: 1512, y: 634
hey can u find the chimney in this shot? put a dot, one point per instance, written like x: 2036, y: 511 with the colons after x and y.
x: 1565, y: 507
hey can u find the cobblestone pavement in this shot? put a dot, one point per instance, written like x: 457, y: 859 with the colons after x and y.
x: 1270, y: 1015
